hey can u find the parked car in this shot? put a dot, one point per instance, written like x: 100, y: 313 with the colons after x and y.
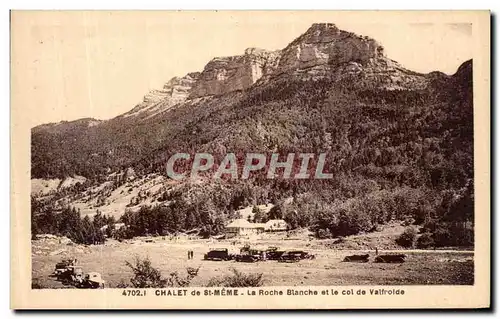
x: 71, y: 275
x: 248, y: 254
x: 287, y: 257
x: 218, y: 254
x: 302, y: 254
x: 393, y: 258
x: 92, y: 280
x: 357, y: 258
x: 295, y: 255
x: 249, y: 258
x: 63, y: 266
x: 274, y: 254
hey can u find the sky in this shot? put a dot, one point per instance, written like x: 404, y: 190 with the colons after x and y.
x: 70, y: 65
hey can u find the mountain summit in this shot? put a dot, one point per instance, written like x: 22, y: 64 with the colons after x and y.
x: 325, y: 44
x: 322, y: 51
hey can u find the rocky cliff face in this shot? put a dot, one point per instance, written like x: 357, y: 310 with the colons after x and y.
x: 319, y: 51
x: 326, y: 51
x: 322, y: 51
x: 226, y: 74
x: 325, y: 44
x: 174, y: 91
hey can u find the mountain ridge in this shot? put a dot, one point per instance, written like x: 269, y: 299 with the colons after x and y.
x: 257, y: 66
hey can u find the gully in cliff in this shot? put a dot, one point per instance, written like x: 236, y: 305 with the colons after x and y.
x: 302, y: 166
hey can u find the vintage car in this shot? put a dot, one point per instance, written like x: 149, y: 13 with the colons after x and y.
x: 248, y: 254
x: 218, y: 254
x: 302, y: 254
x: 249, y: 258
x: 357, y: 258
x: 63, y: 266
x: 392, y: 258
x: 273, y: 253
x: 92, y: 280
x: 70, y: 275
x: 295, y: 255
x: 289, y: 257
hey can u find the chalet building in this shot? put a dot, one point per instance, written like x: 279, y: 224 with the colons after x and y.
x: 242, y: 227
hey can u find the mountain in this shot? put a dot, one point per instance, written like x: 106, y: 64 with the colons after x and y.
x: 399, y: 143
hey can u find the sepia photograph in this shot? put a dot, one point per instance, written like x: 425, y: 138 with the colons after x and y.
x: 166, y: 154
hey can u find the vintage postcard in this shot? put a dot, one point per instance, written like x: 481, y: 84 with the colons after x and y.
x: 250, y: 160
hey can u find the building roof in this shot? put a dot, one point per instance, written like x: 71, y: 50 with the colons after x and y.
x: 240, y: 223
x: 243, y: 223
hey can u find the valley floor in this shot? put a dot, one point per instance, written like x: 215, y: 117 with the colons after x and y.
x: 423, y: 267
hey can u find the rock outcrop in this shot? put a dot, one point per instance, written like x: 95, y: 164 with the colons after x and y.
x: 322, y: 51
x: 227, y: 74
x: 174, y: 91
x: 325, y: 44
x: 326, y: 51
x: 380, y: 73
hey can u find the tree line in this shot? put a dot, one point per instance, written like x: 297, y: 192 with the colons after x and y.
x: 68, y: 222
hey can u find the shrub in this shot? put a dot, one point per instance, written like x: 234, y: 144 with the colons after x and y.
x: 450, y: 234
x: 123, y: 233
x: 122, y: 284
x: 257, y: 215
x: 146, y: 276
x: 425, y: 241
x: 323, y: 234
x: 178, y: 281
x: 277, y: 211
x: 407, y: 238
x: 237, y: 279
x: 442, y: 235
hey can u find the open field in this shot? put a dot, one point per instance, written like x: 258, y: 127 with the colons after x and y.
x: 421, y: 268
